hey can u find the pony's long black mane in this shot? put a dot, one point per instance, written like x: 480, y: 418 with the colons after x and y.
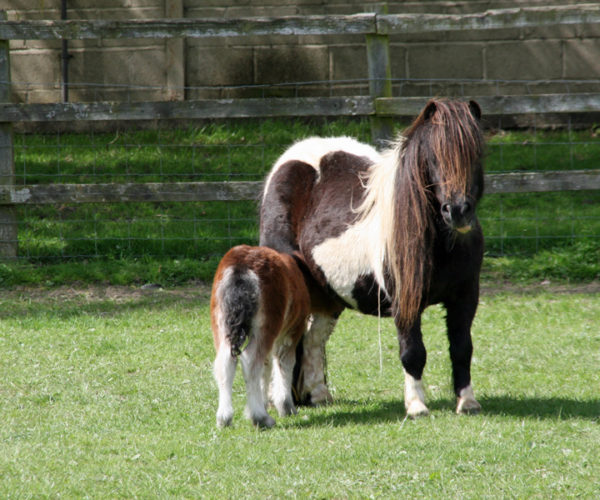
x: 446, y: 136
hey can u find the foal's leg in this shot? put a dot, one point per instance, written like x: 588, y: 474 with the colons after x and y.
x: 284, y: 357
x: 458, y: 320
x: 413, y: 356
x: 265, y: 383
x: 224, y: 370
x: 253, y: 359
x: 312, y: 387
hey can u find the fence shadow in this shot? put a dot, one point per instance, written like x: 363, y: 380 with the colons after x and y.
x: 553, y: 408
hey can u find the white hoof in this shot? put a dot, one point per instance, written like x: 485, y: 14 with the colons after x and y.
x: 416, y: 408
x: 467, y: 404
x: 286, y: 407
x: 224, y: 420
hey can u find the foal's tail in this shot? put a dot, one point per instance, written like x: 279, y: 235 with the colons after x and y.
x: 239, y: 296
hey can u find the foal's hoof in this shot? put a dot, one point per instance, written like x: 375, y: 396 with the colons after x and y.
x: 320, y: 396
x: 416, y: 408
x: 265, y: 422
x: 286, y: 408
x: 224, y: 420
x: 468, y: 406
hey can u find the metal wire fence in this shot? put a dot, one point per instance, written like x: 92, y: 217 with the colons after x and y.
x: 245, y: 149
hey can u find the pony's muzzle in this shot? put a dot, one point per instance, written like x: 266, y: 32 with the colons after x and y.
x: 459, y: 216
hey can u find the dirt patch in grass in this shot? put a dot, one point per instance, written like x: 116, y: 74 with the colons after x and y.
x: 200, y: 291
x: 543, y: 287
x: 119, y: 294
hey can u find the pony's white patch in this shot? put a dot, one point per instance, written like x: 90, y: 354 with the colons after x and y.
x: 359, y: 245
x: 364, y: 244
x: 467, y: 402
x: 414, y: 396
x: 311, y: 151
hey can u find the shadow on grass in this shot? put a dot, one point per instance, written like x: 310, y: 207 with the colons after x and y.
x: 558, y: 408
x: 349, y: 412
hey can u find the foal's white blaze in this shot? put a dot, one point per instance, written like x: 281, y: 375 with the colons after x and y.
x: 467, y: 402
x: 311, y: 151
x: 414, y: 397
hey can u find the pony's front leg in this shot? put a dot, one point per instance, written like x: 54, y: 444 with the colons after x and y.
x: 458, y: 321
x: 413, y: 356
x: 310, y: 386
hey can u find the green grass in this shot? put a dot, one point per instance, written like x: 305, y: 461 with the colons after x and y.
x: 132, y: 243
x: 109, y: 394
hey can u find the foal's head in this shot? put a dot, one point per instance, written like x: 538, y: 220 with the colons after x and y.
x: 447, y: 143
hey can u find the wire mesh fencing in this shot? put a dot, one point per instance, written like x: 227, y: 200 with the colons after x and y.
x: 245, y: 149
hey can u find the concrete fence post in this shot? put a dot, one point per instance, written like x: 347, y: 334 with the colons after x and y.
x: 8, y: 218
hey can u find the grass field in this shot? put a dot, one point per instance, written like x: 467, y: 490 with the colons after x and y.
x: 108, y: 393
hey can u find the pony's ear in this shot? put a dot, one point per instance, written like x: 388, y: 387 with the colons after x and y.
x: 475, y: 110
x: 429, y: 110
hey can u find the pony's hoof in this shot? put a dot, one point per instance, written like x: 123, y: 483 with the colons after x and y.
x: 468, y: 406
x: 265, y: 422
x: 286, y: 408
x: 416, y: 408
x: 224, y: 421
x: 320, y: 396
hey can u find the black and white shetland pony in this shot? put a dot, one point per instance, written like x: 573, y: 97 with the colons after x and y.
x: 260, y: 297
x: 388, y: 234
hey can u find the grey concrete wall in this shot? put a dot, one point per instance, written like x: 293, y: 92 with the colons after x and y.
x: 223, y: 67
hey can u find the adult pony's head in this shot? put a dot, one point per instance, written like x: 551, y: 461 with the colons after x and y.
x: 438, y: 182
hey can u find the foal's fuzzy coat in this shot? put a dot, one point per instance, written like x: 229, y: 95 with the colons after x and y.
x: 259, y: 296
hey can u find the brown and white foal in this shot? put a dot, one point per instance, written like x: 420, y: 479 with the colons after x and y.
x: 260, y: 300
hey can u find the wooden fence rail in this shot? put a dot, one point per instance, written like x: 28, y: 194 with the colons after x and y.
x: 50, y: 194
x: 269, y: 107
x: 380, y: 105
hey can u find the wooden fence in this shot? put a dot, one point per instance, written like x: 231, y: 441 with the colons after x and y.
x: 379, y: 105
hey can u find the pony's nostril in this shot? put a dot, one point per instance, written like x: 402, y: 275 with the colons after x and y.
x: 446, y: 208
x: 466, y: 208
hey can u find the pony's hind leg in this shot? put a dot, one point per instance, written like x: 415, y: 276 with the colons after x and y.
x: 284, y: 357
x: 224, y: 370
x: 253, y: 359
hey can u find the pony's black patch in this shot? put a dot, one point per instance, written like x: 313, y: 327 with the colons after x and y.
x: 370, y: 298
